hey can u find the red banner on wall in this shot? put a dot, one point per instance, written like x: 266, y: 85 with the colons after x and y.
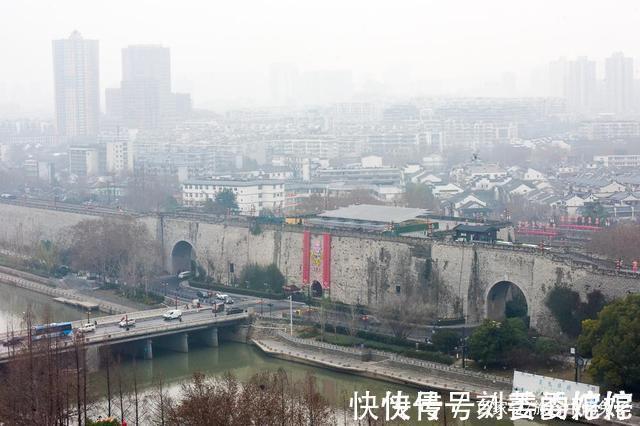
x: 326, y: 261
x: 306, y: 269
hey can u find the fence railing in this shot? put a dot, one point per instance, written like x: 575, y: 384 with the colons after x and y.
x: 396, y: 358
x: 18, y: 279
x: 141, y: 330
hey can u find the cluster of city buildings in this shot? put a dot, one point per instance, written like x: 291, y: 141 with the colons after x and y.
x: 617, y: 92
x: 474, y: 155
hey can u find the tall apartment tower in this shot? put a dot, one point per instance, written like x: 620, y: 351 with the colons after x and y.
x: 580, y: 85
x: 558, y: 77
x: 283, y: 81
x: 619, y: 87
x: 146, y: 86
x: 76, y: 77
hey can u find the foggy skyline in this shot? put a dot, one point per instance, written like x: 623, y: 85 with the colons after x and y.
x: 221, y: 53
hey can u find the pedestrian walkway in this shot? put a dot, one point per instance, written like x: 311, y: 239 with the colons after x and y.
x: 44, y: 286
x: 389, y: 368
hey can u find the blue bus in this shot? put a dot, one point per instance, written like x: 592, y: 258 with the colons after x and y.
x: 53, y: 330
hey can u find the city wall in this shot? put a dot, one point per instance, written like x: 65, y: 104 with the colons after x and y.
x: 450, y: 279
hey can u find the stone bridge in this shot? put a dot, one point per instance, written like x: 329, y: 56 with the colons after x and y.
x: 452, y: 279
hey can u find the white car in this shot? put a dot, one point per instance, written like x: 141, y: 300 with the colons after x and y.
x: 222, y: 297
x: 87, y: 327
x: 172, y: 314
x: 184, y: 275
x: 126, y: 322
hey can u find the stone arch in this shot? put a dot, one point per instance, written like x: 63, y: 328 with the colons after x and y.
x: 498, y: 298
x: 181, y: 256
x: 316, y: 289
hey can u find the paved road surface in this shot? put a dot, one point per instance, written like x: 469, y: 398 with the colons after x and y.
x: 145, y: 322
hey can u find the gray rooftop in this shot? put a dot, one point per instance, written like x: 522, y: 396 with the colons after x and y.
x: 373, y: 213
x: 233, y: 182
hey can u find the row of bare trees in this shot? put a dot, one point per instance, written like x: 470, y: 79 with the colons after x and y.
x: 267, y: 398
x: 618, y: 242
x: 121, y: 248
x: 47, y: 383
x: 44, y: 381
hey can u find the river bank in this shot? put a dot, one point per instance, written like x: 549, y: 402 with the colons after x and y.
x: 373, y: 364
x: 71, y: 297
x: 387, y: 367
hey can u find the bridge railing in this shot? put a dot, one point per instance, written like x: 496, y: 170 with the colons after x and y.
x: 115, y: 319
x: 139, y: 330
x: 164, y: 328
x: 396, y: 358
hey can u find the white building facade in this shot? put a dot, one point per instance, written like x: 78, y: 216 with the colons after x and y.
x: 252, y: 196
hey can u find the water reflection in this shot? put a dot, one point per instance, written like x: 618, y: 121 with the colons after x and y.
x: 14, y: 301
x: 245, y: 360
x: 176, y: 368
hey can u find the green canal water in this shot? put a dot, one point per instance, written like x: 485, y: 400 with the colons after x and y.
x: 240, y: 359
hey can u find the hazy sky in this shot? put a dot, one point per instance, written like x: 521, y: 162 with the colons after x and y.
x: 221, y: 50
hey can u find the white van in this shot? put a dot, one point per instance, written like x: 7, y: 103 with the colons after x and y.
x: 172, y: 314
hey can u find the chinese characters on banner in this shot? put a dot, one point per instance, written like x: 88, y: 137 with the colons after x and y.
x: 428, y: 406
x: 316, y: 259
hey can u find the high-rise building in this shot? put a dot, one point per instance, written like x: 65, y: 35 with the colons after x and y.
x: 580, y: 85
x: 113, y: 103
x: 619, y: 90
x: 146, y: 86
x: 558, y: 77
x: 284, y: 82
x: 84, y: 160
x: 326, y: 86
x: 77, y: 86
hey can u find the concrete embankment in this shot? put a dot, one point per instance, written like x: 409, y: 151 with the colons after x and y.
x: 387, y: 367
x: 378, y: 365
x: 44, y: 286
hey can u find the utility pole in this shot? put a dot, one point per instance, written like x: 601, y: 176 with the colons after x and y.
x: 464, y: 343
x: 291, y: 313
x: 574, y: 352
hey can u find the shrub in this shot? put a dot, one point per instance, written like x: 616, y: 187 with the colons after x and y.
x: 569, y: 311
x: 239, y: 290
x: 343, y: 340
x: 445, y: 340
x: 256, y: 276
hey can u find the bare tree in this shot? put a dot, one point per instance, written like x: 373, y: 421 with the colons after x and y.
x: 521, y: 209
x: 150, y: 193
x: 160, y: 402
x: 136, y: 401
x: 115, y: 248
x: 403, y: 312
x: 618, y: 242
x: 38, y: 387
x: 265, y: 399
x: 318, y: 203
x: 353, y: 320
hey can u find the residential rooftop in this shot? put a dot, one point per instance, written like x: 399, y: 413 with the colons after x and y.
x: 375, y: 213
